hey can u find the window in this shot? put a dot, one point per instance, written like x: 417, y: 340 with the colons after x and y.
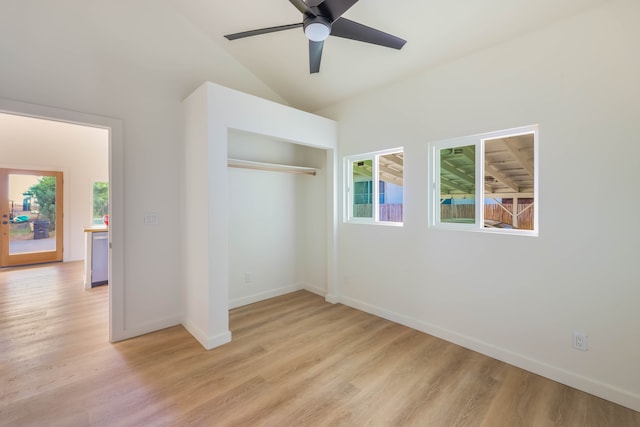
x: 487, y: 182
x: 378, y: 200
x: 100, y: 201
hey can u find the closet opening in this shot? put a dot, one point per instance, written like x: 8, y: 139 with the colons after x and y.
x: 277, y: 218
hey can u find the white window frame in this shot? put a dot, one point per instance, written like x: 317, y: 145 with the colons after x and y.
x: 479, y: 142
x: 348, y: 171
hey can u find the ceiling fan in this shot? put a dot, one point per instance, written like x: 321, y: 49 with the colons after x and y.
x: 323, y: 18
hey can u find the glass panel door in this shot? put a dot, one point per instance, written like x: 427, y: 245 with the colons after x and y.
x: 31, y: 217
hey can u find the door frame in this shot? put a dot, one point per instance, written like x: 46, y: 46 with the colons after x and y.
x: 9, y: 260
x: 117, y: 328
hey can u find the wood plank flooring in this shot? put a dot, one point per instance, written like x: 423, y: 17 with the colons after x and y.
x: 294, y: 361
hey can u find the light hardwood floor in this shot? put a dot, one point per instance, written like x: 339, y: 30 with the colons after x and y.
x: 294, y: 361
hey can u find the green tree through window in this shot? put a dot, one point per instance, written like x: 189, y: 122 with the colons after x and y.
x: 45, y: 194
x: 100, y: 199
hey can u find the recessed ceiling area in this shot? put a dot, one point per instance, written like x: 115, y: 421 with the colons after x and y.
x: 436, y: 32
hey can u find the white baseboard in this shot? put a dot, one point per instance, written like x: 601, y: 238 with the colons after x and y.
x: 332, y: 299
x: 572, y: 379
x: 208, y: 342
x: 239, y: 302
x: 314, y: 289
x: 147, y: 328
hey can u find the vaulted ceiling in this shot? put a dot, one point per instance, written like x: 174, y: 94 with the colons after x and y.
x: 437, y: 31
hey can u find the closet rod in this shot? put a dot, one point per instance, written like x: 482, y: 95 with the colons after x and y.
x: 246, y: 164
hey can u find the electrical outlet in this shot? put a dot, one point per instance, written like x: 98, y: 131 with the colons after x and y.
x: 248, y: 277
x: 579, y: 341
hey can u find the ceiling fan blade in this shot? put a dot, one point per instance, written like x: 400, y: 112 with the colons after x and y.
x: 303, y: 7
x: 333, y: 9
x: 262, y: 31
x: 315, y: 55
x: 352, y: 30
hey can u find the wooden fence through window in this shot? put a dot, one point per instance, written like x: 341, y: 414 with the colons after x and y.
x: 394, y: 213
x: 389, y: 212
x: 491, y: 212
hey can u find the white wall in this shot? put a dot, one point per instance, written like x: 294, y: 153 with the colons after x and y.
x: 518, y: 298
x: 134, y: 61
x: 314, y: 205
x: 80, y: 152
x: 277, y: 221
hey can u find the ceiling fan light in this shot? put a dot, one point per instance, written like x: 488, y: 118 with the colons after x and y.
x: 317, y: 31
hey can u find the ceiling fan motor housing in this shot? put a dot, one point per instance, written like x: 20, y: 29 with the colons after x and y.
x: 316, y: 28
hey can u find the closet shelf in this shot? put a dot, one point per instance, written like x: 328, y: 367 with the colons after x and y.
x: 247, y: 164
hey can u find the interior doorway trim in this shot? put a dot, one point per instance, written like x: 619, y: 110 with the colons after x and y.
x: 116, y: 196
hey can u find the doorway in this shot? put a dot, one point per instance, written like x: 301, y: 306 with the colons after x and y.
x: 31, y: 227
x: 114, y: 135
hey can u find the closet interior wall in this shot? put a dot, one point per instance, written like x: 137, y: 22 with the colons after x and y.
x: 277, y: 220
